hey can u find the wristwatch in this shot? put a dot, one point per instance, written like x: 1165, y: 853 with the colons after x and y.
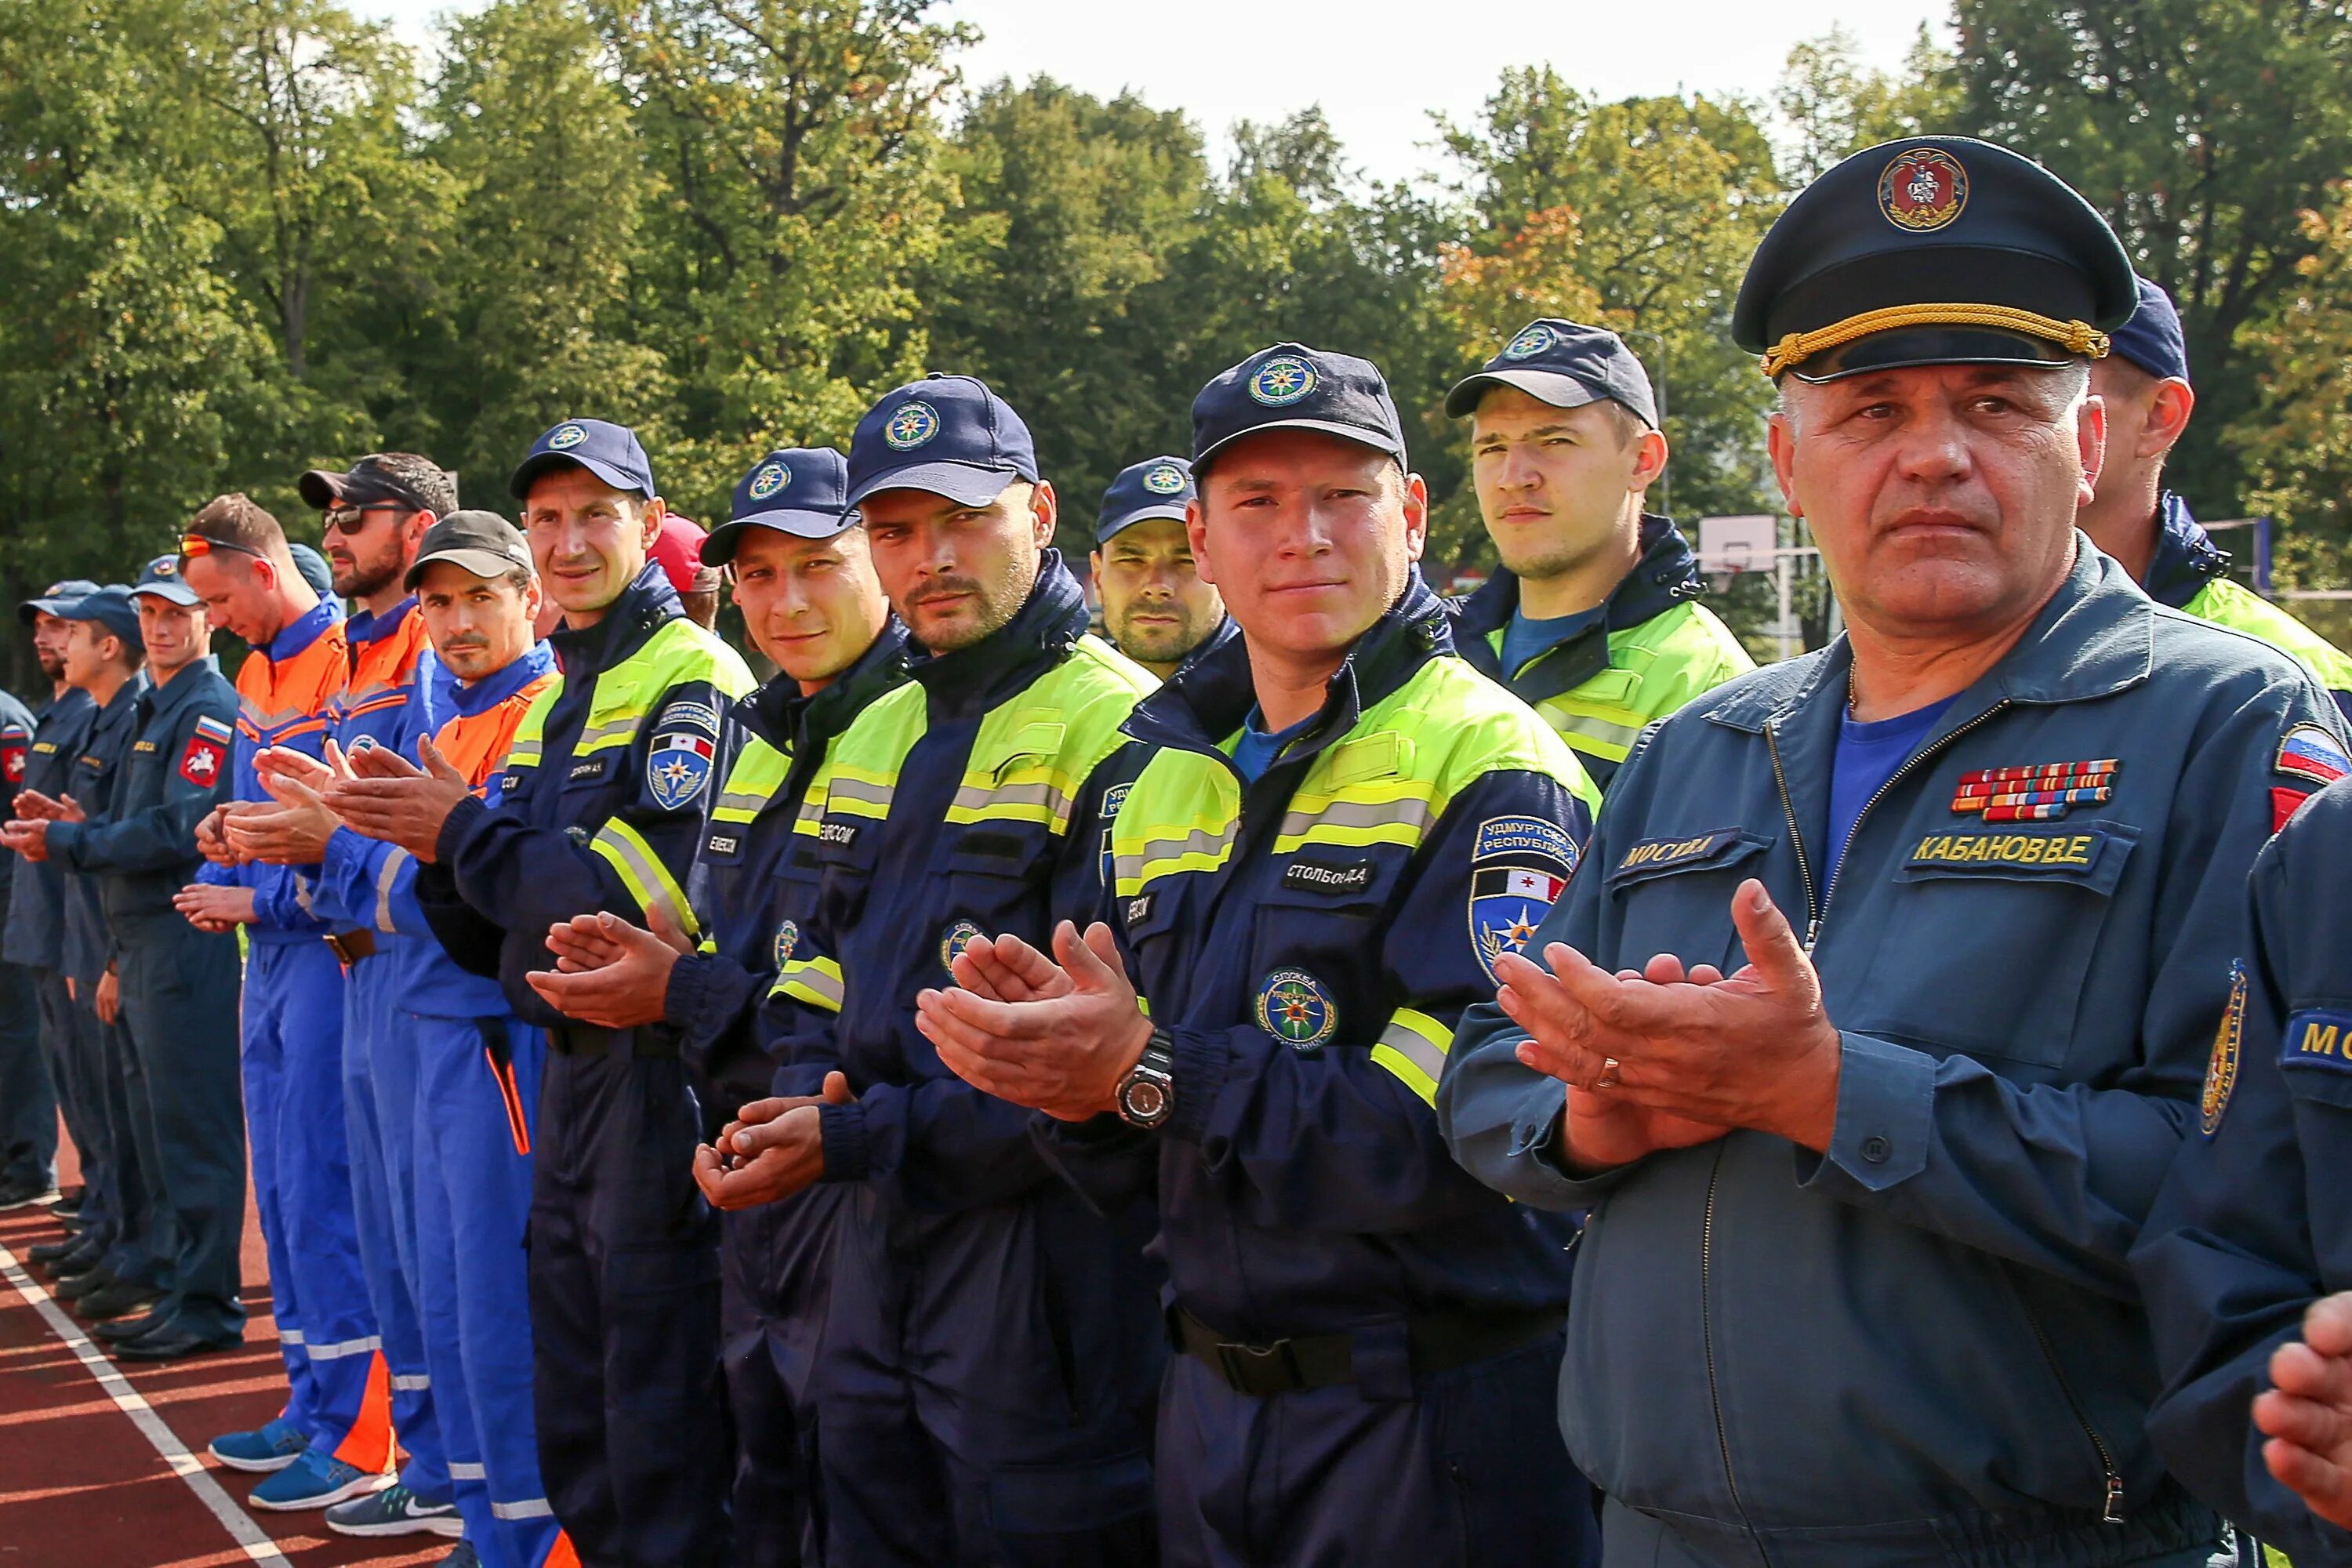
x: 1148, y: 1093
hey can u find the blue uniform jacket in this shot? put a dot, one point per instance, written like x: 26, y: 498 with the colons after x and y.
x: 90, y: 946
x: 37, y: 901
x: 2251, y: 1227
x: 278, y: 903
x: 738, y: 886
x: 1306, y: 1190
x: 1929, y: 1335
x: 17, y: 726
x: 141, y: 842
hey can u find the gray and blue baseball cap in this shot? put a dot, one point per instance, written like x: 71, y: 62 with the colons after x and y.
x: 2152, y: 338
x: 1290, y: 386
x: 799, y: 490
x: 1565, y: 365
x: 112, y: 608
x: 1156, y: 486
x: 313, y: 567
x: 948, y: 434
x: 161, y: 580
x: 611, y: 452
x: 53, y: 598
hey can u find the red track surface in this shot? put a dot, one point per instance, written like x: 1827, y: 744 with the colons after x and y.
x: 82, y: 1487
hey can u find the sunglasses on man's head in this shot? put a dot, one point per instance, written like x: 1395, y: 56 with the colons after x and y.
x: 195, y: 544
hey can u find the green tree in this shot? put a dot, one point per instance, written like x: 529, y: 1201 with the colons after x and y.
x: 1833, y: 105
x: 2297, y: 441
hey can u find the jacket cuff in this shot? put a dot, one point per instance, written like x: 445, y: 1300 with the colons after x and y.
x: 843, y: 1128
x: 687, y: 991
x: 1885, y: 1116
x: 457, y: 827
x: 1202, y: 1060
x: 1539, y: 1144
x: 63, y: 837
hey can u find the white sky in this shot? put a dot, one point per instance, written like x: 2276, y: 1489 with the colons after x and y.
x: 1377, y: 66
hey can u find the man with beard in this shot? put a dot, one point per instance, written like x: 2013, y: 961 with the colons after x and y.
x: 1156, y: 608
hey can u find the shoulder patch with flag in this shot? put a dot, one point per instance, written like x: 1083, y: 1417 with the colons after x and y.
x: 2308, y: 755
x: 678, y: 767
x: 15, y: 750
x: 207, y: 751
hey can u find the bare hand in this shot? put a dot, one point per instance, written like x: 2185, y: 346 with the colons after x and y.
x: 1062, y: 1053
x: 211, y: 842
x: 1006, y: 969
x: 30, y: 839
x: 33, y: 805
x: 610, y: 972
x: 1754, y: 1050
x: 398, y: 803
x: 208, y: 908
x: 2306, y: 1413
x: 296, y: 833
x: 768, y: 1156
x: 286, y: 764
x: 108, y: 1001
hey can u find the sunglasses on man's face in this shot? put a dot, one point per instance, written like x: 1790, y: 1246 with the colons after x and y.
x: 350, y: 520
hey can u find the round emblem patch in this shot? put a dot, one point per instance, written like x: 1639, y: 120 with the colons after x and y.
x: 787, y: 937
x: 167, y: 567
x: 914, y: 424
x: 1293, y: 1006
x: 1530, y: 342
x: 771, y: 479
x: 1282, y: 380
x: 2222, y: 1067
x: 959, y: 936
x: 1163, y: 480
x: 1923, y: 190
x: 566, y: 436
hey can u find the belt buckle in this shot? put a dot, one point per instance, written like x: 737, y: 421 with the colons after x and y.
x: 1259, y: 1368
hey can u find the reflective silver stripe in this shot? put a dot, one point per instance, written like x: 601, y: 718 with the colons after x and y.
x: 383, y: 880
x: 302, y: 892
x: 824, y: 985
x: 1566, y: 724
x: 413, y: 1383
x: 1199, y: 841
x: 459, y: 1470
x: 536, y: 1508
x: 289, y: 1336
x: 980, y: 798
x: 524, y: 753
x: 597, y: 734
x: 1418, y: 812
x: 859, y: 790
x: 342, y: 1348
x: 741, y: 801
x: 650, y: 880
x: 1415, y: 1047
x: 811, y: 808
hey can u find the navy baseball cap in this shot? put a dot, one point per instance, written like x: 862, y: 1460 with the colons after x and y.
x: 1933, y: 250
x: 800, y: 490
x: 609, y: 451
x: 161, y: 578
x: 1156, y: 486
x: 1564, y: 365
x: 1293, y: 387
x: 2152, y: 338
x: 54, y: 598
x: 313, y: 567
x: 948, y: 434
x: 113, y: 608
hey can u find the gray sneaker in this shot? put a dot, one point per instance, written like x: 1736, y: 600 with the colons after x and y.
x: 394, y: 1511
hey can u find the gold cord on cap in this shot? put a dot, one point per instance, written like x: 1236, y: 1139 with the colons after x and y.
x: 2075, y: 337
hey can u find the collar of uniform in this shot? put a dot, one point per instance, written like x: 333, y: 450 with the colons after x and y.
x: 127, y: 695
x: 1212, y: 697
x: 2094, y: 637
x: 303, y: 631
x: 1052, y: 617
x: 363, y: 626
x: 481, y: 696
x: 812, y: 724
x: 1665, y: 575
x: 640, y: 611
x: 185, y: 683
x: 2186, y: 557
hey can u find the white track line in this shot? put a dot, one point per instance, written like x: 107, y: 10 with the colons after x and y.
x: 239, y: 1524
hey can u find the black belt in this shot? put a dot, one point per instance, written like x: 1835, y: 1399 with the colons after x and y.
x: 350, y: 946
x: 1437, y: 1341
x: 588, y: 1040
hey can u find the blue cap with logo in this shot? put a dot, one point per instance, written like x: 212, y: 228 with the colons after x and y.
x: 2152, y: 338
x: 162, y: 580
x: 1293, y: 387
x: 1156, y: 486
x: 948, y: 434
x: 609, y: 451
x: 112, y: 608
x: 53, y: 597
x: 799, y: 490
x: 1564, y: 365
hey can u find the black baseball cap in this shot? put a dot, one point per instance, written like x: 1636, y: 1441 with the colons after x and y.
x: 799, y: 490
x: 162, y: 579
x: 1156, y: 486
x: 950, y: 434
x: 481, y: 542
x: 53, y: 598
x: 367, y: 482
x: 1933, y: 250
x: 1565, y: 365
x: 112, y: 608
x: 609, y: 451
x: 1293, y: 387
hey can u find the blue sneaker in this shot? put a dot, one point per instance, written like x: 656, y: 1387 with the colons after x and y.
x: 314, y: 1479
x: 395, y: 1510
x: 272, y: 1447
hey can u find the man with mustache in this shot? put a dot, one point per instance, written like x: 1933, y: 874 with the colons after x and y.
x: 993, y: 1339
x: 1156, y: 608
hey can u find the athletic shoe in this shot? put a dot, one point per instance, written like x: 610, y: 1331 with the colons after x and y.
x: 24, y: 1194
x: 395, y: 1510
x: 259, y: 1452
x: 314, y: 1481
x: 462, y: 1555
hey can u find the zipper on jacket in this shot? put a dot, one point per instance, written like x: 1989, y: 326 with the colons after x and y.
x: 1707, y: 1345
x: 2114, y: 1502
x: 1797, y: 841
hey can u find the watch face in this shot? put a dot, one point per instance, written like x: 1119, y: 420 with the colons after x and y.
x: 1146, y: 1099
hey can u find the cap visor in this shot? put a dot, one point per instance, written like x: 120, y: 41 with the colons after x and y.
x: 962, y: 483
x: 1106, y: 531
x: 175, y: 593
x: 486, y: 565
x: 720, y: 547
x: 518, y: 483
x: 1360, y: 436
x: 1907, y: 348
x: 32, y: 610
x: 1543, y: 385
x: 320, y: 489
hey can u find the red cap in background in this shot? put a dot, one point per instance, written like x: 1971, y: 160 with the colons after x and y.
x: 679, y: 548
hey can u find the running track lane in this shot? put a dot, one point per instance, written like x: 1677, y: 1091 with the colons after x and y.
x: 83, y: 1480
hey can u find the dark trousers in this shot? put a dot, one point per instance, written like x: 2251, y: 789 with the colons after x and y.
x: 179, y: 1019
x: 624, y: 1267
x: 140, y: 1250
x: 778, y: 1278
x: 69, y: 1041
x: 28, y: 1101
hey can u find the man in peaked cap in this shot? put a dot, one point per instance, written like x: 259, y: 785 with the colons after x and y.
x: 1861, y: 1210
x: 2145, y: 526
x: 1155, y: 608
